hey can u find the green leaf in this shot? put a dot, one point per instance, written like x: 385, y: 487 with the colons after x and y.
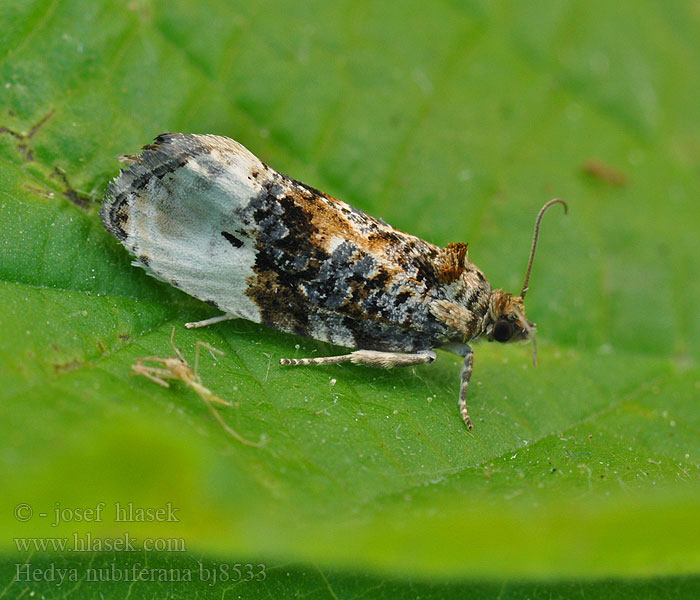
x: 454, y: 122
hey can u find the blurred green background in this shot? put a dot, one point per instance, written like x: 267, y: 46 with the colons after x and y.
x: 452, y: 120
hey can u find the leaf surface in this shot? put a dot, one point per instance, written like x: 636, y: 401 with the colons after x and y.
x: 454, y: 123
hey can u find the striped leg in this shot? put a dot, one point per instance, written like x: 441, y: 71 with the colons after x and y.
x: 369, y: 358
x: 464, y: 384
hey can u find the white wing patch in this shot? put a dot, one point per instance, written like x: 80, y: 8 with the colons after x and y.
x: 174, y: 209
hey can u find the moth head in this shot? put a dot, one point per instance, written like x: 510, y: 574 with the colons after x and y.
x: 506, y: 321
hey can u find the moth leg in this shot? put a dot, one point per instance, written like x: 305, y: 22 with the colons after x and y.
x: 464, y: 351
x: 369, y: 358
x: 464, y: 384
x: 211, y: 321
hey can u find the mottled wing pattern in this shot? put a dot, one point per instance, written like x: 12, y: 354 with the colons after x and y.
x: 204, y: 214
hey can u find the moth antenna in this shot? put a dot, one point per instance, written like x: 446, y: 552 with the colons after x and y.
x: 535, y: 235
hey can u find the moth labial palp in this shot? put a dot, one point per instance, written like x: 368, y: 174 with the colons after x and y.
x: 204, y: 214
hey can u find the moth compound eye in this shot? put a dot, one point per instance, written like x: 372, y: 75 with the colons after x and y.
x: 502, y: 330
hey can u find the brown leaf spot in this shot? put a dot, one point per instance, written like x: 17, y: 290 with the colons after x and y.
x: 61, y: 368
x: 604, y: 172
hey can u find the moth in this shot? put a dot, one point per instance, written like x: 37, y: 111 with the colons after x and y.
x: 205, y: 215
